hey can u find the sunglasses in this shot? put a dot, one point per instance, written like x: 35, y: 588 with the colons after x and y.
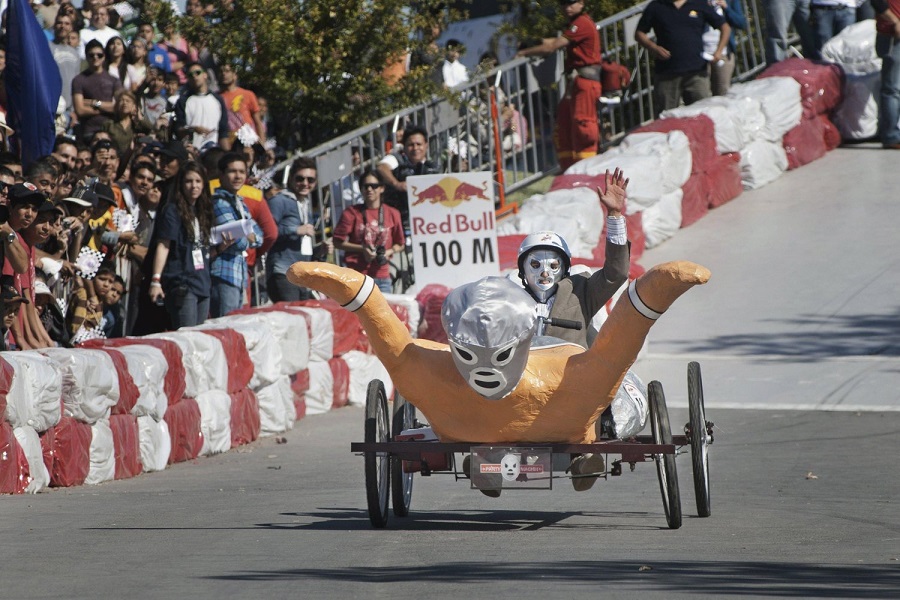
x: 95, y: 55
x: 300, y: 178
x: 195, y: 73
x: 370, y: 186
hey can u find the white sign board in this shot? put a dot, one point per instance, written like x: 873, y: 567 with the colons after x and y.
x: 454, y: 236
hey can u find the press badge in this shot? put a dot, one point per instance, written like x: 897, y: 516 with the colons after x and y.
x: 306, y: 247
x: 197, y: 255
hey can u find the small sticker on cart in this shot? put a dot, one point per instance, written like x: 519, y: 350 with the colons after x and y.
x: 495, y: 468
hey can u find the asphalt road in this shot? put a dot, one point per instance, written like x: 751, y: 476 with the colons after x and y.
x: 797, y: 333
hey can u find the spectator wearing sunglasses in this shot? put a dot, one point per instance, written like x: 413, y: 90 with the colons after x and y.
x: 93, y: 92
x: 294, y: 214
x: 200, y: 112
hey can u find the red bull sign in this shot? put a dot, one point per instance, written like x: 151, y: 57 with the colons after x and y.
x: 452, y: 227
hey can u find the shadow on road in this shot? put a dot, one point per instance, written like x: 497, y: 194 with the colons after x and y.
x: 707, y: 578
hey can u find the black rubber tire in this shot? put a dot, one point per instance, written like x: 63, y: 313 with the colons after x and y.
x: 378, y: 464
x: 699, y: 440
x: 401, y: 483
x: 665, y: 463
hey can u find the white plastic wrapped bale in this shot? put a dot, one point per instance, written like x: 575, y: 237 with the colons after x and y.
x: 320, y: 395
x: 205, y: 363
x: 779, y: 98
x: 762, y: 162
x: 31, y: 445
x: 215, y: 421
x: 854, y: 49
x: 553, y: 211
x: 148, y: 368
x: 412, y: 309
x: 35, y: 391
x: 321, y: 335
x: 103, y: 457
x: 643, y: 191
x: 90, y: 384
x: 662, y: 220
x: 156, y: 443
x: 262, y: 344
x: 672, y: 151
x: 276, y: 407
x: 731, y: 129
x: 363, y: 369
x: 857, y: 115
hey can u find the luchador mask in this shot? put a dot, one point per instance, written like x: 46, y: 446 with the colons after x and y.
x: 489, y: 325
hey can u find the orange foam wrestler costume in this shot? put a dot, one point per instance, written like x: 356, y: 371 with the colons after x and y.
x: 559, y: 396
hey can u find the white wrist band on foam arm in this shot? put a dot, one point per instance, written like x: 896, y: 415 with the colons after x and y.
x: 361, y: 296
x: 616, y: 231
x: 639, y: 304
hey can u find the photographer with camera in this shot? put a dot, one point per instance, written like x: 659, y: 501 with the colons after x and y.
x: 370, y: 233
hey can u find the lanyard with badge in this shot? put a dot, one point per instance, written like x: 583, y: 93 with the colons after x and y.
x: 197, y: 252
x: 306, y: 247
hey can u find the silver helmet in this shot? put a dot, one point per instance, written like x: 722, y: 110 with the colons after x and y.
x: 544, y: 261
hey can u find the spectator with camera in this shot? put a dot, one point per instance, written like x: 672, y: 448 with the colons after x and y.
x: 370, y: 233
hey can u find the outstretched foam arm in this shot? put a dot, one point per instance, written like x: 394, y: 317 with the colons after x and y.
x: 357, y: 292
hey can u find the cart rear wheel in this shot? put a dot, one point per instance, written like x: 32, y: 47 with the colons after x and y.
x: 665, y: 463
x: 699, y: 440
x: 378, y: 464
x: 401, y: 483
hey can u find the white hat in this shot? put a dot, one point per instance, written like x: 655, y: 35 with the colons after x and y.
x: 41, y: 288
x: 3, y: 125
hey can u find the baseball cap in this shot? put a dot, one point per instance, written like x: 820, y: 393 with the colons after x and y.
x: 47, y: 206
x: 22, y: 193
x: 152, y: 147
x: 175, y: 149
x: 9, y: 295
x: 41, y: 288
x: 104, y: 193
x: 82, y: 197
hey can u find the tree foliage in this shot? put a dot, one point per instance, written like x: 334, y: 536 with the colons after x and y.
x: 319, y: 62
x: 537, y: 19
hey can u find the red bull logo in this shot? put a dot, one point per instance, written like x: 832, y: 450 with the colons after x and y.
x: 450, y: 192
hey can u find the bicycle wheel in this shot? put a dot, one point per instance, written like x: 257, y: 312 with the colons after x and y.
x: 665, y: 463
x: 401, y: 483
x: 378, y: 464
x: 700, y: 440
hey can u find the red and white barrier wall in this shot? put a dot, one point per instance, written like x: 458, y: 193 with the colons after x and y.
x: 112, y: 409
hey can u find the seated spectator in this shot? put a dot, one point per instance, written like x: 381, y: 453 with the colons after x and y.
x: 181, y: 266
x: 12, y: 302
x: 370, y: 233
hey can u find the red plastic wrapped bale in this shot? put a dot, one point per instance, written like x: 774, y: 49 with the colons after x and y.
x: 346, y: 324
x: 174, y: 384
x: 577, y: 180
x: 724, y: 179
x: 240, y: 367
x: 300, y: 406
x: 126, y: 446
x: 695, y: 199
x: 804, y: 143
x: 831, y: 134
x: 14, y: 471
x: 245, y: 423
x: 67, y: 452
x: 430, y: 300
x: 6, y: 377
x: 128, y: 391
x: 300, y: 382
x: 341, y: 373
x: 821, y: 84
x: 183, y: 420
x: 700, y: 131
x: 508, y: 249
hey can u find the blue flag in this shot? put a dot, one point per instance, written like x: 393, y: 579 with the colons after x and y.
x: 33, y: 83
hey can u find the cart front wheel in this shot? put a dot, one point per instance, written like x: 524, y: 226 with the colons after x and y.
x: 700, y: 440
x: 401, y: 483
x: 665, y: 463
x: 378, y: 464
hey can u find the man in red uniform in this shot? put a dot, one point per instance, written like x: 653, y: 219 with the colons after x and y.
x: 577, y: 131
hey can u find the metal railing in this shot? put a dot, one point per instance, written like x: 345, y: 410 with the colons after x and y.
x: 465, y: 134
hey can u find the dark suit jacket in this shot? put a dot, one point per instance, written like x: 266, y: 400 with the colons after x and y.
x: 579, y: 297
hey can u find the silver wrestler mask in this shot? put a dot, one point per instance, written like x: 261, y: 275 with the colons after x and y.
x: 489, y: 325
x: 543, y: 270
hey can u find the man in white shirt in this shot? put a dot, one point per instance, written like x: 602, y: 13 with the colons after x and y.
x: 455, y: 73
x: 99, y: 29
x: 201, y: 112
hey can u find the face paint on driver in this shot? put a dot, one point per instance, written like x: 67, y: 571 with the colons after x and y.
x: 543, y: 272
